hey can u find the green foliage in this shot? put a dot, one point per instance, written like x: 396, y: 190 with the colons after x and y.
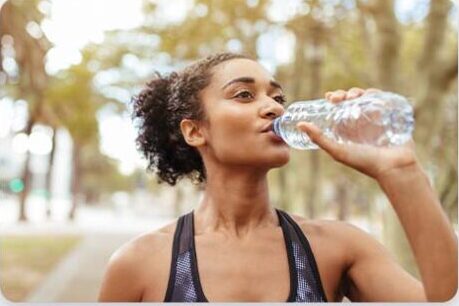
x: 29, y: 51
x: 356, y: 43
x: 74, y: 102
x: 338, y: 45
x: 208, y: 27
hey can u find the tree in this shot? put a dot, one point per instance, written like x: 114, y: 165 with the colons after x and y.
x: 20, y: 32
x: 337, y: 45
x: 75, y: 101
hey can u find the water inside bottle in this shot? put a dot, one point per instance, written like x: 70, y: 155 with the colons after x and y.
x: 379, y: 119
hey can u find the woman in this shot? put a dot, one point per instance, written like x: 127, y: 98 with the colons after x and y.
x: 212, y: 123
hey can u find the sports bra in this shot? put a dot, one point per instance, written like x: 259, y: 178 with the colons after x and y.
x: 184, y: 284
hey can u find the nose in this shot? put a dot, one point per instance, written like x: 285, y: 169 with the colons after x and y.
x: 272, y: 110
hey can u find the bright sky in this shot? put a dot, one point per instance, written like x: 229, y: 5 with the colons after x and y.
x: 74, y: 23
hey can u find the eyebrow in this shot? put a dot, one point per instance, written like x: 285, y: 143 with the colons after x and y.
x: 250, y: 81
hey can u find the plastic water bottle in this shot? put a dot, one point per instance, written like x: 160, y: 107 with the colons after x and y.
x: 377, y: 118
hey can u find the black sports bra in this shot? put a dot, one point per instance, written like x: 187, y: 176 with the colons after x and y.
x: 184, y: 284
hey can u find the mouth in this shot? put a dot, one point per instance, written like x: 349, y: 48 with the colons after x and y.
x: 274, y: 136
x: 267, y: 128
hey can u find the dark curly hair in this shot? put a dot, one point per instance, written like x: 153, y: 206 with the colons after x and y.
x: 158, y: 111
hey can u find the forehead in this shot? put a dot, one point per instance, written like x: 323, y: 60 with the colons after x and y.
x: 236, y: 68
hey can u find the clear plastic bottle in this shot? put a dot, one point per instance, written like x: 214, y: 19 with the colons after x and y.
x: 377, y: 118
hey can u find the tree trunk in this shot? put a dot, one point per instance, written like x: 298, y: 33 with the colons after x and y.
x: 435, y: 74
x: 76, y: 184
x: 388, y: 43
x: 435, y: 33
x: 35, y: 112
x: 26, y: 178
x: 26, y: 174
x: 49, y: 175
x: 437, y: 71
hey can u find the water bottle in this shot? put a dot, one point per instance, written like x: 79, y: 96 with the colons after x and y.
x: 377, y: 118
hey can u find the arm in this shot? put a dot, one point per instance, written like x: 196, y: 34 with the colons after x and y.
x: 431, y: 237
x: 375, y: 276
x: 429, y: 232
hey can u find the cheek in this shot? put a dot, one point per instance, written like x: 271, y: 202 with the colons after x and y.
x: 230, y: 122
x: 231, y: 136
x: 231, y: 131
x: 243, y: 145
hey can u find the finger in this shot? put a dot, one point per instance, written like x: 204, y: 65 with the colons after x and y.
x: 328, y: 94
x: 338, y: 96
x: 372, y: 90
x: 317, y: 136
x: 354, y: 92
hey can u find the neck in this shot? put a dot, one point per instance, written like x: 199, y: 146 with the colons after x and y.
x: 235, y: 203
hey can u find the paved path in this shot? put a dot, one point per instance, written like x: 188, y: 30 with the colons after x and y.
x: 77, y: 278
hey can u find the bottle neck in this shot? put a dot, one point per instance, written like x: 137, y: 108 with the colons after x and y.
x: 276, y: 126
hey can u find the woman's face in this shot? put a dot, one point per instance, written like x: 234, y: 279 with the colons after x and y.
x: 240, y: 104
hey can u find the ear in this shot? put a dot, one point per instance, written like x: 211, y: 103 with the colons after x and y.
x: 192, y: 133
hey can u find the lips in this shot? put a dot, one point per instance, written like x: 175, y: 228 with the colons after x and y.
x: 267, y: 128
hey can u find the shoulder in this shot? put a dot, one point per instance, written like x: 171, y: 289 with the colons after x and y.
x: 143, y: 246
x: 370, y: 272
x: 132, y: 266
x: 350, y: 239
x: 353, y: 244
x: 333, y: 229
x: 144, y: 243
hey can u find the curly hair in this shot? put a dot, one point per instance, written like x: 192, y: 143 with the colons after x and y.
x: 160, y: 107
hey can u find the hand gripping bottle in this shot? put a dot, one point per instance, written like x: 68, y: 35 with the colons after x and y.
x: 377, y: 118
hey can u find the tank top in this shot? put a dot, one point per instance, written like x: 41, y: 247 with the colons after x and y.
x: 184, y: 284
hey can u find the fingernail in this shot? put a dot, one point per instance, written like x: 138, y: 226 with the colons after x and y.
x: 352, y: 95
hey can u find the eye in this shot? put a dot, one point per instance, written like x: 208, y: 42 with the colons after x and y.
x: 280, y: 99
x: 244, y: 95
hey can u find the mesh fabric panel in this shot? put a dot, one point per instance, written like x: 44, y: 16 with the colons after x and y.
x: 184, y: 286
x: 307, y: 286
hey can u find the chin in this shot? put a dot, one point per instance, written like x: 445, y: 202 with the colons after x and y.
x: 281, y: 163
x: 279, y: 159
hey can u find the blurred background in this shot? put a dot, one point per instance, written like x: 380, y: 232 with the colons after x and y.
x: 73, y: 188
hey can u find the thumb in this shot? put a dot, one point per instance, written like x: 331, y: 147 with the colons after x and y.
x: 318, y: 137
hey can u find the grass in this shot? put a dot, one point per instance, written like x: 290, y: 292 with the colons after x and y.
x: 26, y: 260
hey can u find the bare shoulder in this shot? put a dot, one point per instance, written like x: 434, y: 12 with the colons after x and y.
x: 371, y: 273
x: 350, y: 240
x: 320, y: 228
x: 142, y: 247
x: 340, y: 236
x: 131, y: 267
x: 333, y: 229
